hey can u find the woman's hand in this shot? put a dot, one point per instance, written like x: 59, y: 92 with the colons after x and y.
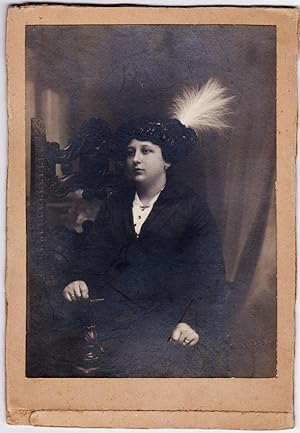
x: 185, y: 335
x: 76, y: 290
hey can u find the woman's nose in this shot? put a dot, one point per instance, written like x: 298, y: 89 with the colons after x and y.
x: 137, y: 158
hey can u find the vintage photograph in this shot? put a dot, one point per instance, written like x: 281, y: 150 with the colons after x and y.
x: 150, y: 190
x: 150, y: 268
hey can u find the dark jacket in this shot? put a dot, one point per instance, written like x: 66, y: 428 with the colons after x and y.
x: 173, y: 271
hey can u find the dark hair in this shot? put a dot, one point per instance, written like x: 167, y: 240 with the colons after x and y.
x: 175, y: 140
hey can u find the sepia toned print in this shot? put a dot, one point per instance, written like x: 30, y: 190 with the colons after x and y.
x: 152, y: 216
x: 170, y: 278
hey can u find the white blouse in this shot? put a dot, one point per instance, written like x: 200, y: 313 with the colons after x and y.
x: 141, y: 212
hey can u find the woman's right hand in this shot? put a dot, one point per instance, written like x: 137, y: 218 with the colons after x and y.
x: 76, y: 290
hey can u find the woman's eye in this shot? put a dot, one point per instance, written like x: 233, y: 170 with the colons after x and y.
x: 146, y: 151
x: 130, y: 152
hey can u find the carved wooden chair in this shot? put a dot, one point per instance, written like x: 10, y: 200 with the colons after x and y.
x: 87, y: 167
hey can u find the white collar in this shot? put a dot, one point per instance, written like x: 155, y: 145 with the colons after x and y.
x: 137, y: 201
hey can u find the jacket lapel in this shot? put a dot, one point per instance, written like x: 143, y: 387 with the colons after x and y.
x: 161, y: 211
x: 122, y: 218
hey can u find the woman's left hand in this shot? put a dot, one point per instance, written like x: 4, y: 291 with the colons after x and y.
x: 185, y: 335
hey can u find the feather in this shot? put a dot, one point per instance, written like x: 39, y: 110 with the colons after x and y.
x: 203, y: 108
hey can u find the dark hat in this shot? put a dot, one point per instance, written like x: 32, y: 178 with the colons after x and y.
x: 175, y: 140
x: 196, y: 110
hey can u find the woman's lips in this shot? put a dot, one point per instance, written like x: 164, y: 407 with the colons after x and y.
x: 138, y: 170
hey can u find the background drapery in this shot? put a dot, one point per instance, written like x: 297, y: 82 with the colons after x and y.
x: 116, y: 72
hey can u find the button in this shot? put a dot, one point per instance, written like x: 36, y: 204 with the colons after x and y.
x: 139, y: 217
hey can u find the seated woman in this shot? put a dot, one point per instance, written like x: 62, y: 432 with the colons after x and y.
x: 154, y: 254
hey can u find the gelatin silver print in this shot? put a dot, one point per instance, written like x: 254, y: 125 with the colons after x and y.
x: 151, y: 223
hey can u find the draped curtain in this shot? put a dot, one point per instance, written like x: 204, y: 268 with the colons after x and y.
x: 247, y: 217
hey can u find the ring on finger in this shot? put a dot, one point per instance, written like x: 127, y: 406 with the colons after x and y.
x: 186, y: 341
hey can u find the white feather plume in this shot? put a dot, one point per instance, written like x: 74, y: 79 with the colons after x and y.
x: 203, y: 108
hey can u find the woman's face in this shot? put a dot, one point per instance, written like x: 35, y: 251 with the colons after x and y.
x: 145, y: 163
